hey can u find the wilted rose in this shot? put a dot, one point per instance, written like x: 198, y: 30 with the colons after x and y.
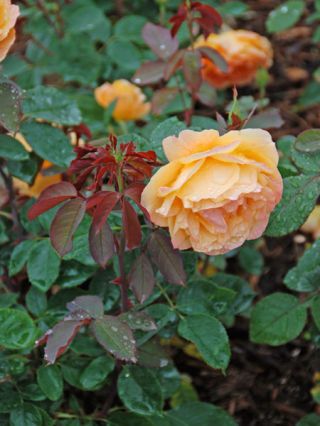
x: 217, y: 191
x: 130, y: 100
x: 8, y: 17
x: 244, y: 52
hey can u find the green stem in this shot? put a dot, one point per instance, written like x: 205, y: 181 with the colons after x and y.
x: 168, y: 299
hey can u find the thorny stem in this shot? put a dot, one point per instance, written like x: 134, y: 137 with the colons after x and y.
x: 205, y: 265
x: 41, y: 6
x: 125, y: 305
x: 120, y: 7
x: 124, y: 283
x: 167, y: 297
x: 7, y: 179
x: 193, y: 93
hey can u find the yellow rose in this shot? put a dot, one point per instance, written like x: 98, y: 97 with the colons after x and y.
x: 244, y: 51
x: 216, y: 191
x: 130, y: 99
x: 312, y: 224
x: 41, y: 182
x: 8, y: 17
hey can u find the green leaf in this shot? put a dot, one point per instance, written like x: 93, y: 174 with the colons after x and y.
x: 124, y: 54
x: 51, y: 105
x: 300, y: 194
x: 116, y: 337
x: 72, y: 66
x: 50, y: 380
x: 308, y: 141
x: 140, y: 390
x: 93, y: 376
x: 17, y: 330
x: 19, y: 256
x: 49, y: 143
x: 170, y: 127
x: 251, y: 260
x: 200, y: 413
x: 210, y: 338
x: 119, y: 418
x: 36, y: 301
x: 315, y: 310
x: 43, y: 265
x: 73, y: 274
x: 84, y: 18
x: 10, y: 398
x: 304, y: 152
x: 8, y: 299
x: 309, y: 420
x: 25, y: 170
x: 130, y: 27
x: 244, y: 292
x: 10, y: 106
x: 311, y: 95
x: 203, y: 296
x: 233, y: 8
x: 11, y: 149
x: 305, y: 276
x: 170, y: 380
x: 277, y: 319
x: 26, y: 415
x: 285, y: 16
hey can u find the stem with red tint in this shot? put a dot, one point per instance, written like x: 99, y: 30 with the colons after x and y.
x: 125, y: 304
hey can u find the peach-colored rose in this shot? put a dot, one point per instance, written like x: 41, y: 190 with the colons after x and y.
x: 216, y: 191
x: 41, y: 182
x: 130, y: 104
x: 8, y: 17
x: 244, y: 51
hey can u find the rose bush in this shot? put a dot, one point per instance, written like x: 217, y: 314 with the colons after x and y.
x: 217, y: 191
x: 106, y: 316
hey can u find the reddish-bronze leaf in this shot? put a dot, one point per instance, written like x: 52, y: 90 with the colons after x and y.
x: 65, y: 223
x: 52, y: 196
x: 101, y: 244
x: 207, y: 94
x: 214, y: 56
x: 104, y: 208
x: 141, y: 278
x: 160, y: 40
x: 87, y: 305
x: 192, y: 69
x: 131, y: 225
x: 268, y: 119
x: 150, y: 72
x: 162, y: 98
x: 60, y: 337
x: 174, y: 63
x: 166, y: 258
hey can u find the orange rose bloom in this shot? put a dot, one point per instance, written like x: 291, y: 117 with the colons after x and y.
x: 41, y: 182
x: 8, y: 17
x: 216, y: 191
x: 130, y: 103
x: 244, y: 51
